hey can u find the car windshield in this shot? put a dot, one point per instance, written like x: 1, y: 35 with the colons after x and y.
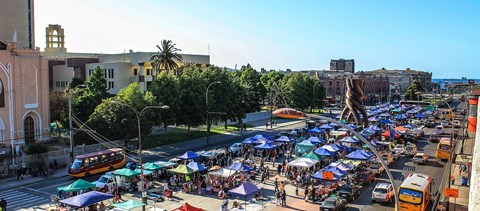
x: 77, y: 164
x: 409, y: 148
x: 418, y: 156
x: 103, y: 179
x: 329, y: 202
x: 380, y: 190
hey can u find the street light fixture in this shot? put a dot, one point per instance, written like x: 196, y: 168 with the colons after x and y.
x: 138, y: 115
x: 70, y: 95
x: 206, y: 102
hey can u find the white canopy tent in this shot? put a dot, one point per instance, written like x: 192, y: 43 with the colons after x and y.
x: 303, y: 162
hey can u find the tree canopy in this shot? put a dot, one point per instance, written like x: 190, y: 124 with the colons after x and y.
x: 413, y: 90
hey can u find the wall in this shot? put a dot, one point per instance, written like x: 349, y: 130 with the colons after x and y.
x: 474, y: 197
x: 252, y: 117
x: 61, y: 73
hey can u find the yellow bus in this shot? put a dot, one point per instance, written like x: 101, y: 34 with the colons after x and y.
x: 97, y: 162
x: 443, y: 149
x: 447, y: 114
x: 415, y: 193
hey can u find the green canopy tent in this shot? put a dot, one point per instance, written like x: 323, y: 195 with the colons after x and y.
x: 128, y: 205
x: 125, y: 172
x: 343, y: 121
x: 313, y: 156
x: 183, y: 169
x: 397, y: 110
x: 430, y: 108
x: 76, y: 186
x: 152, y: 166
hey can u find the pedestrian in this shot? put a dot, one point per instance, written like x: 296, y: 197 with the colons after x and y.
x: 277, y: 198
x: 284, y: 198
x: 276, y: 183
x: 19, y: 174
x: 102, y: 207
x: 452, y: 178
x: 225, y: 204
x: 266, y: 125
x: 3, y: 204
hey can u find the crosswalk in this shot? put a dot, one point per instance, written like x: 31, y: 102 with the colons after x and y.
x: 18, y: 200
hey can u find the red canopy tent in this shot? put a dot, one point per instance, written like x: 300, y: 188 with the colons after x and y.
x: 387, y: 134
x: 188, y: 207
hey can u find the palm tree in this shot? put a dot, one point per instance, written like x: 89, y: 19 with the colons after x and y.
x: 167, y: 57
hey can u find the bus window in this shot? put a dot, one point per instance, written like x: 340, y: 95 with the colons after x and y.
x: 77, y: 164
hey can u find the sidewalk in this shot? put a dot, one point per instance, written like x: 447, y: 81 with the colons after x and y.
x: 166, y: 151
x: 461, y: 203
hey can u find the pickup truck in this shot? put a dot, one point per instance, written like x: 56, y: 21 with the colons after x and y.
x: 104, y: 181
x: 349, y: 192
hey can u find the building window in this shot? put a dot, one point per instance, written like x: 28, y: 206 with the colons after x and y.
x: 111, y: 85
x: 148, y: 71
x: 2, y: 97
x: 29, y: 128
x: 112, y: 72
x: 135, y: 73
x: 105, y: 73
x: 90, y: 72
x: 57, y: 83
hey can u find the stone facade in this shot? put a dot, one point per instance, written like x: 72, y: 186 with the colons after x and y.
x: 347, y: 65
x: 24, y: 96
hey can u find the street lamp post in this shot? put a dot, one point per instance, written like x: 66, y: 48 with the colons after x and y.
x: 208, y: 114
x: 138, y: 115
x: 70, y: 95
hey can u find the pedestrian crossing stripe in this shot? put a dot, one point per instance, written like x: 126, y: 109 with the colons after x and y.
x: 17, y: 199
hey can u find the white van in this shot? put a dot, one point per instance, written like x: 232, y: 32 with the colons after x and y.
x: 439, y: 130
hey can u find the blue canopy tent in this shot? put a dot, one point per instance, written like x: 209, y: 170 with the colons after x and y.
x: 240, y: 167
x: 265, y: 146
x: 342, y: 166
x: 315, y: 130
x: 359, y: 155
x: 189, y: 155
x: 284, y: 139
x: 352, y: 126
x: 384, y: 115
x: 333, y: 124
x: 315, y: 140
x: 374, y: 128
x: 245, y: 190
x: 386, y: 121
x: 86, y: 199
x: 326, y: 126
x: 335, y: 170
x: 319, y: 175
x: 260, y: 136
x: 323, y: 152
x: 338, y: 116
x: 196, y: 166
x: 349, y: 139
x: 400, y: 116
x: 367, y: 132
x: 248, y: 141
x: 419, y: 116
x: 409, y: 126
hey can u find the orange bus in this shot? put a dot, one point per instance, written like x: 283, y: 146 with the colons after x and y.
x: 415, y: 193
x: 97, y: 162
x: 443, y: 149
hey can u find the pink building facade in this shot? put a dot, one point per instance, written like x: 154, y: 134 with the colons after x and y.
x: 24, y: 96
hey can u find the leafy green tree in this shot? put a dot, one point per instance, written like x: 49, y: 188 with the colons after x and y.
x: 250, y: 79
x: 412, y: 91
x: 166, y: 90
x: 58, y: 107
x: 298, y: 90
x: 90, y: 97
x: 191, y: 98
x: 74, y: 83
x: 115, y: 117
x: 167, y: 58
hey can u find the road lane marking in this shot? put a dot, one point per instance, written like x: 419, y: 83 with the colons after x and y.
x: 21, y: 201
x: 38, y: 191
x: 57, y: 185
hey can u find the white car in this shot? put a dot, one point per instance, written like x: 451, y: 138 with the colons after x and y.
x: 104, y: 180
x: 445, y: 123
x: 236, y: 147
x: 411, y: 150
x: 383, y: 192
x: 399, y: 148
x: 439, y: 130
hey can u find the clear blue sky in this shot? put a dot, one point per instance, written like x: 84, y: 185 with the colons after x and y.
x: 437, y: 36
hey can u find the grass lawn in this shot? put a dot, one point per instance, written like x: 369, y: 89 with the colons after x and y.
x: 180, y: 134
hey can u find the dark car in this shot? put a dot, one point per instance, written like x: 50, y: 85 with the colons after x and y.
x: 409, y: 137
x: 349, y: 192
x: 430, y: 123
x: 131, y: 165
x: 333, y: 203
x: 365, y: 177
x: 434, y: 138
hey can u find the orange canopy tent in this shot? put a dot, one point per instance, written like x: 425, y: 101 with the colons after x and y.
x: 401, y: 129
x: 188, y: 207
x: 387, y: 134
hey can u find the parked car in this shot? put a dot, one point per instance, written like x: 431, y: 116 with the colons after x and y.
x: 434, y: 138
x: 399, y: 148
x: 383, y: 192
x: 439, y: 130
x: 334, y: 203
x: 236, y: 147
x: 410, y: 137
x: 411, y: 150
x: 457, y: 124
x: 365, y: 177
x: 420, y: 158
x: 430, y: 123
x: 104, y: 180
x: 445, y: 123
x: 349, y: 192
